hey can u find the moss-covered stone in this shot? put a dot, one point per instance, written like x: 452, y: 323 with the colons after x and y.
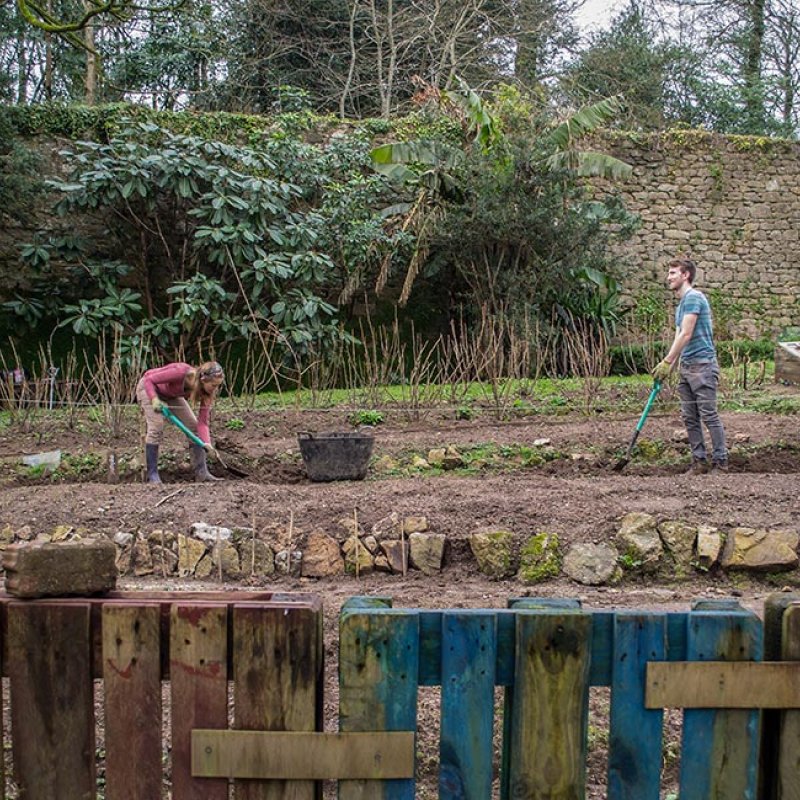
x: 6, y: 536
x: 540, y: 558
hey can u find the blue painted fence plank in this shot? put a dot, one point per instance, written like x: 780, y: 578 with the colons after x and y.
x: 469, y: 640
x: 378, y: 681
x: 634, y: 758
x: 719, y: 748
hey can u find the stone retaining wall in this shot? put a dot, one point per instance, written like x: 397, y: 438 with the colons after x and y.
x: 643, y: 545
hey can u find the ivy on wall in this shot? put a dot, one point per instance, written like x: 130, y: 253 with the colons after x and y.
x: 102, y: 123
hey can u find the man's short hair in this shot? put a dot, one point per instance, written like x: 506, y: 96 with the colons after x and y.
x: 685, y: 265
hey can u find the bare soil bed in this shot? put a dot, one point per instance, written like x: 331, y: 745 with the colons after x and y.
x: 574, y: 494
x: 573, y: 491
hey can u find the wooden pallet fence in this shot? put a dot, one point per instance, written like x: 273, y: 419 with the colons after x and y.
x: 245, y: 714
x: 265, y: 647
x: 547, y: 654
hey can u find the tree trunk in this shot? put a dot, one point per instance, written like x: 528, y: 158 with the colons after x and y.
x: 22, y: 66
x: 754, y: 96
x: 48, y: 59
x: 91, y: 64
x: 352, y: 67
x: 48, y: 66
x: 390, y: 71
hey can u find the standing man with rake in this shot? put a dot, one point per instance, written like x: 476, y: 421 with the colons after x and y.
x: 699, y: 372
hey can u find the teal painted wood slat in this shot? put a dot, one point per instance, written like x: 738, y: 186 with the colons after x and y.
x: 634, y: 758
x: 469, y: 639
x: 378, y: 681
x: 361, y: 602
x: 719, y: 748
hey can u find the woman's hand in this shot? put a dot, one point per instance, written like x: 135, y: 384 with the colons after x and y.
x: 157, y: 403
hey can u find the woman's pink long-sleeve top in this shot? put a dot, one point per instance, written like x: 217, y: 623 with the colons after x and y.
x: 168, y: 383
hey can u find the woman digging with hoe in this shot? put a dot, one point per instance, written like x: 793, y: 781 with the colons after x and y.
x: 172, y: 386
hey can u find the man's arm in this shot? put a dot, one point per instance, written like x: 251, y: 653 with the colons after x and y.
x: 682, y: 337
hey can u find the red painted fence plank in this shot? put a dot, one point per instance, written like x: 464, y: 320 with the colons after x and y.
x: 199, y: 680
x: 132, y: 684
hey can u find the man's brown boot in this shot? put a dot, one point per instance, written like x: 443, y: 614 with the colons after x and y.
x: 697, y: 467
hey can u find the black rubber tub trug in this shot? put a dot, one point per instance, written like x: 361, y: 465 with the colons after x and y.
x: 336, y: 456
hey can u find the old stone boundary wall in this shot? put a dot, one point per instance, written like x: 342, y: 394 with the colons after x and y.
x: 732, y: 203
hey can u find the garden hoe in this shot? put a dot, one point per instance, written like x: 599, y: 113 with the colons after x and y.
x: 195, y: 439
x: 620, y: 465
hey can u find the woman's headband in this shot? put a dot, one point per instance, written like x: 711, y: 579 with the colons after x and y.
x: 211, y: 371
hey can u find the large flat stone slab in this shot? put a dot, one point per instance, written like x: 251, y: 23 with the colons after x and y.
x: 787, y: 362
x: 56, y: 569
x: 760, y: 550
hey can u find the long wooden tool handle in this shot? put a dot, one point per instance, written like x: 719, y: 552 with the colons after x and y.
x: 192, y: 437
x: 650, y: 400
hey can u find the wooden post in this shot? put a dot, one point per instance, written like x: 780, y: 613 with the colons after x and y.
x: 357, y: 543
x: 253, y: 543
x: 132, y: 690
x: 52, y: 700
x: 199, y: 680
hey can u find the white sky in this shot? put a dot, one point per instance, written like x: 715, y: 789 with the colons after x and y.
x: 597, y: 13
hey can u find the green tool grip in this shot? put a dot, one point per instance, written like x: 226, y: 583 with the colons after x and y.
x: 650, y: 400
x: 192, y: 437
